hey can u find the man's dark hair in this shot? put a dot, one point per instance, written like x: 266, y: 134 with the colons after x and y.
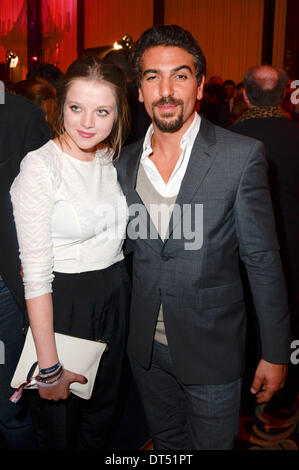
x: 229, y: 82
x: 263, y: 90
x: 239, y: 85
x: 168, y: 35
x: 121, y: 59
x: 213, y: 90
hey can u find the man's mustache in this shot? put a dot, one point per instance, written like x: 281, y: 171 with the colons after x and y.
x: 167, y: 100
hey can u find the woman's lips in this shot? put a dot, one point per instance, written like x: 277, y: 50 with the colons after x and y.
x: 86, y: 135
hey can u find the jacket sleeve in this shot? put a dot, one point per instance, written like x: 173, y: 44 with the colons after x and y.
x: 259, y: 250
x: 37, y: 131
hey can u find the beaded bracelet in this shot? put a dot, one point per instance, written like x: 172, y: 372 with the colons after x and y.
x: 50, y: 380
x: 49, y: 370
x: 44, y: 378
x: 50, y: 384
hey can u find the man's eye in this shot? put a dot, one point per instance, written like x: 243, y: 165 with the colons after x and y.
x: 151, y: 77
x: 74, y: 107
x: 103, y: 112
x: 181, y: 77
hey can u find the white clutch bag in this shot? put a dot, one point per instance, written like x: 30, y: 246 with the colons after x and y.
x: 78, y: 355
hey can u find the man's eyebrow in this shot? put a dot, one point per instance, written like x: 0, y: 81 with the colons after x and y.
x: 149, y: 71
x: 177, y: 69
x: 183, y: 67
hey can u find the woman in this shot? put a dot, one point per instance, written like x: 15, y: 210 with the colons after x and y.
x: 71, y: 216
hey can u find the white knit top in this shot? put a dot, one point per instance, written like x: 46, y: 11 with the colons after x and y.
x: 70, y: 215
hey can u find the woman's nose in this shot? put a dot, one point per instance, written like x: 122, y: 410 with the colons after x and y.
x: 87, y: 119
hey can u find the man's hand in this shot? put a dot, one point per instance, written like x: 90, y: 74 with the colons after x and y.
x: 268, y: 379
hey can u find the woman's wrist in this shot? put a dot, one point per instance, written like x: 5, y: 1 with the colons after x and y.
x: 50, y: 370
x: 50, y: 374
x: 50, y: 383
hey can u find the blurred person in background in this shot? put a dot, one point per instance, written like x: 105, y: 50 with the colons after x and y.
x: 229, y: 92
x: 49, y: 72
x: 139, y: 120
x: 40, y: 92
x: 22, y: 129
x: 266, y: 121
x: 213, y: 105
x: 239, y: 105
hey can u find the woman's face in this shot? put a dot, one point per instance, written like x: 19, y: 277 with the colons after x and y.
x: 89, y: 114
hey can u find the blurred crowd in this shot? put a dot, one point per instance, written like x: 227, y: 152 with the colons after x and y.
x: 223, y: 102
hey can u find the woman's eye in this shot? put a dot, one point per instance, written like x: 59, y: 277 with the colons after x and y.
x: 74, y: 107
x: 102, y: 112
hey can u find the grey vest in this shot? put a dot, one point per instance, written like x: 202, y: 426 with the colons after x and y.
x: 159, y: 209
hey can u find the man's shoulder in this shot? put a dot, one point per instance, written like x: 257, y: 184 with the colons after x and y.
x: 234, y: 140
x: 18, y: 103
x: 275, y: 127
x: 129, y: 152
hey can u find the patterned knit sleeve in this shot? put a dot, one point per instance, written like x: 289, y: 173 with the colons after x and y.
x: 32, y: 200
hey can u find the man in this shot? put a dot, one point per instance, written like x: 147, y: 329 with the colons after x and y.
x: 188, y: 321
x: 22, y: 129
x: 239, y: 106
x: 229, y: 92
x: 266, y: 121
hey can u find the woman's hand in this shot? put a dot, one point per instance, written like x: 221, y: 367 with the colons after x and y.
x: 61, y: 391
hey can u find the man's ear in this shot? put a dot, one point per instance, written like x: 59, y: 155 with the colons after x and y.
x: 140, y: 96
x: 200, y: 88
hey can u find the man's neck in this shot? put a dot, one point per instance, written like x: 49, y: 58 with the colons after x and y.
x: 167, y: 144
x: 166, y: 149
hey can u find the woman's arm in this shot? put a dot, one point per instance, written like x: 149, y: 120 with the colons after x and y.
x: 32, y: 198
x: 40, y: 312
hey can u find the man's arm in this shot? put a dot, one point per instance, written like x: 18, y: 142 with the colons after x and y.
x: 259, y: 251
x: 37, y: 131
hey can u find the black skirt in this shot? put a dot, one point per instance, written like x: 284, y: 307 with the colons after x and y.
x: 91, y: 305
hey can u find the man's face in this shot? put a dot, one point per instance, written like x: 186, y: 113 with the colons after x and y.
x: 168, y: 87
x: 229, y: 91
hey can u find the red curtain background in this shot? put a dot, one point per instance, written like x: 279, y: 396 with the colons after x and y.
x: 59, y: 32
x: 13, y: 33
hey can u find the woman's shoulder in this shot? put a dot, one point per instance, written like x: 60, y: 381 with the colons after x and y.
x: 41, y: 165
x: 46, y: 156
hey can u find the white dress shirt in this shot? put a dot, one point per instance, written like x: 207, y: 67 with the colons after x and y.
x: 172, y: 187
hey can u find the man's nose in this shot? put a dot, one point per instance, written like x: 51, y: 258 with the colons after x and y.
x: 166, y: 87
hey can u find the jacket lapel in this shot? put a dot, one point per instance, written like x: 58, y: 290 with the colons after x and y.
x: 201, y: 159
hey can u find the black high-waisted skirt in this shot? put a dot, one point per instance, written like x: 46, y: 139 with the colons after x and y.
x: 91, y: 305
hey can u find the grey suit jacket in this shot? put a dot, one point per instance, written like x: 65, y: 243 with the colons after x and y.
x: 201, y: 289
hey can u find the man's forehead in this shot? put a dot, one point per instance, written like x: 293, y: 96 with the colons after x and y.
x: 170, y: 57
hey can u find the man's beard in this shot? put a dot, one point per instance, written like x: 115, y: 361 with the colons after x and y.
x: 163, y: 124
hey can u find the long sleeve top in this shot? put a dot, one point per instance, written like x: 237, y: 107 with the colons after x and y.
x: 70, y: 215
